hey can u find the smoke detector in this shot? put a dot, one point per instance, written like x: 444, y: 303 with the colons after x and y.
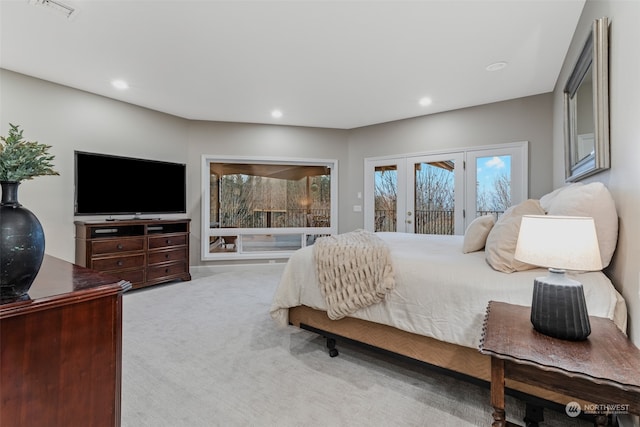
x: 57, y: 6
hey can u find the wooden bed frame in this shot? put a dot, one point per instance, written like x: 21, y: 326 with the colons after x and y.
x: 463, y: 361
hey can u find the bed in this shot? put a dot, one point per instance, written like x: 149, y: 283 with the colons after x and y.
x: 435, y: 311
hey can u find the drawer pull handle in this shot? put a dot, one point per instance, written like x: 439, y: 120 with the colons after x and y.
x: 119, y: 246
x: 120, y: 263
x: 166, y: 270
x: 168, y: 241
x: 166, y: 256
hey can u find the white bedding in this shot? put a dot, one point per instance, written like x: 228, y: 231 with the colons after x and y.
x: 440, y: 292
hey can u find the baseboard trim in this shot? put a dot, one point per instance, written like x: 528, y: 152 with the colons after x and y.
x: 210, y: 270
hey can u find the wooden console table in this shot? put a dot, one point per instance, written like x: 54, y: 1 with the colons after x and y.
x: 61, y: 357
x: 603, y: 371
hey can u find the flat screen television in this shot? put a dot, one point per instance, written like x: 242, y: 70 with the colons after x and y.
x: 115, y: 185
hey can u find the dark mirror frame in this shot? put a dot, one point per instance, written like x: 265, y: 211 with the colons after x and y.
x: 594, y: 61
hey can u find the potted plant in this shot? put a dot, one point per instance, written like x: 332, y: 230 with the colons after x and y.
x: 21, y: 234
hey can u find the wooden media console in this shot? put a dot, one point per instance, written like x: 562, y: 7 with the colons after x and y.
x: 143, y: 252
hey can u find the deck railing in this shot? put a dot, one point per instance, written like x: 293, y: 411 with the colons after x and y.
x: 289, y: 218
x: 426, y: 221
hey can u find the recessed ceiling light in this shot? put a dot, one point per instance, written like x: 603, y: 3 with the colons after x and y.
x: 276, y: 114
x: 120, y: 84
x: 496, y: 66
x: 425, y: 101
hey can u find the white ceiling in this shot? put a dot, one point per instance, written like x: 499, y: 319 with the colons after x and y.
x: 336, y: 64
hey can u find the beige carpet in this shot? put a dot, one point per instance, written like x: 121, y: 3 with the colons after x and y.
x: 206, y: 353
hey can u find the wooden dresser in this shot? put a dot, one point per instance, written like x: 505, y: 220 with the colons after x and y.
x: 61, y: 358
x: 143, y: 252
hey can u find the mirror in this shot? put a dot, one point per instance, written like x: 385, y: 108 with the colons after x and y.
x: 586, y: 105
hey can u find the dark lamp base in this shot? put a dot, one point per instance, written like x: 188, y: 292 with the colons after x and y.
x: 559, y: 309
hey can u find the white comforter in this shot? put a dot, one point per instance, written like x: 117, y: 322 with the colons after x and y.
x: 440, y: 292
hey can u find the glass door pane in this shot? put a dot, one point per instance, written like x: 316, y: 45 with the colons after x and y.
x: 496, y: 179
x: 384, y: 201
x: 385, y: 198
x: 437, y: 184
x: 493, y: 185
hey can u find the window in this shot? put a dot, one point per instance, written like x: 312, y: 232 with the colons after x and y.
x: 441, y: 193
x: 260, y: 208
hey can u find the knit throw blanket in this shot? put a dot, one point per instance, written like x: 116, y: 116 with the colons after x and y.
x: 354, y: 270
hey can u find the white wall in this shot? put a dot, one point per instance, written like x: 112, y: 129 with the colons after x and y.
x: 523, y: 119
x: 68, y: 120
x: 623, y: 179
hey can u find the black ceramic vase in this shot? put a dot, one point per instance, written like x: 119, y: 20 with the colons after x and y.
x: 21, y: 245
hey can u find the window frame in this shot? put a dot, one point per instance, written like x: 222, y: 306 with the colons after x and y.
x: 520, y: 161
x: 306, y: 234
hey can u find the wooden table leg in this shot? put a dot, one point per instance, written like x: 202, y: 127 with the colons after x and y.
x: 497, y: 392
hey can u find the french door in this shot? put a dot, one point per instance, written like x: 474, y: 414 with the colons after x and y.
x: 415, y: 194
x: 385, y: 195
x: 434, y: 183
x: 442, y: 193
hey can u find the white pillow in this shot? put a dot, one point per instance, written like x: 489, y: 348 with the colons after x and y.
x: 476, y: 233
x: 503, y: 237
x: 547, y: 199
x: 591, y: 200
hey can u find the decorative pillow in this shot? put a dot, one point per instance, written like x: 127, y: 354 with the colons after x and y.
x: 503, y: 237
x: 476, y: 233
x: 591, y: 200
x: 547, y: 199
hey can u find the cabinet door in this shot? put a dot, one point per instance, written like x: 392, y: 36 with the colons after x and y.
x: 73, y: 379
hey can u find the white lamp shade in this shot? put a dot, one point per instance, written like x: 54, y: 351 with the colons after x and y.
x: 561, y: 242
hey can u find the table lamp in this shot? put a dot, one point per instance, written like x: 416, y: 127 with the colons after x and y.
x: 560, y: 243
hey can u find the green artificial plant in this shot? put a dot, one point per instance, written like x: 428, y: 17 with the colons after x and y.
x: 21, y: 160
